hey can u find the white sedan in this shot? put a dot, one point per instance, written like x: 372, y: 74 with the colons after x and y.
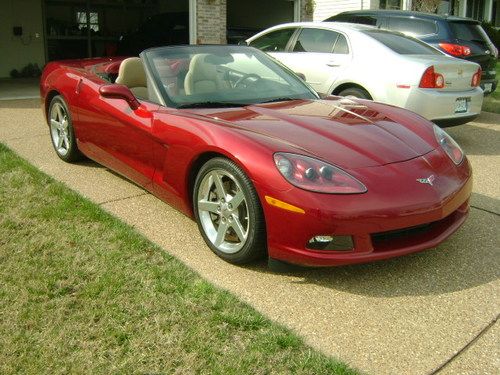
x: 388, y: 67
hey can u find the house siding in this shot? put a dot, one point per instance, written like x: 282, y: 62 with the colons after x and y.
x: 328, y: 8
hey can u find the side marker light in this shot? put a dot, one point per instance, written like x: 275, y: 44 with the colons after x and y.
x: 283, y: 205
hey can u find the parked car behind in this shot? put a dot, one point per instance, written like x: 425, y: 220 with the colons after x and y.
x: 459, y: 37
x: 388, y: 67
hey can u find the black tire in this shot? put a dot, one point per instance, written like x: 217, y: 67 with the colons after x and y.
x: 357, y: 92
x: 205, y: 192
x: 68, y: 150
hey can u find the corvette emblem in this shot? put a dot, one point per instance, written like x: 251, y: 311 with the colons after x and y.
x: 429, y: 180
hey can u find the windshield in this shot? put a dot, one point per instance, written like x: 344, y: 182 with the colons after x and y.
x: 198, y: 76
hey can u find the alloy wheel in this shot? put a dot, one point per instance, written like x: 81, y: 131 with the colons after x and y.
x: 59, y: 129
x: 223, y: 211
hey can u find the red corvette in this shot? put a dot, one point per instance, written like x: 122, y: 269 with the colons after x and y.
x: 227, y: 135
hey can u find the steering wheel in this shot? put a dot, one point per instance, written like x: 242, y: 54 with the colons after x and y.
x: 246, y: 77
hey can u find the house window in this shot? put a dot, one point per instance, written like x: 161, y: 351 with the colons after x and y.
x: 93, y: 20
x: 390, y: 4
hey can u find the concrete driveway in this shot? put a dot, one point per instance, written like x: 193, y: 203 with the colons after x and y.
x: 425, y: 313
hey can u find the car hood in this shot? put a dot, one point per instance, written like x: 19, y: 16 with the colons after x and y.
x: 351, y: 134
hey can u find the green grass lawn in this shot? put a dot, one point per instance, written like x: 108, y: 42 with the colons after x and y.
x: 491, y: 102
x: 81, y: 292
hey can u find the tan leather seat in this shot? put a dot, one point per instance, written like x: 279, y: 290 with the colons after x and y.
x: 202, y: 77
x: 132, y: 75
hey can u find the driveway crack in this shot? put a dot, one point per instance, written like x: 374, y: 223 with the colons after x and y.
x: 123, y: 198
x: 465, y: 347
x: 485, y: 210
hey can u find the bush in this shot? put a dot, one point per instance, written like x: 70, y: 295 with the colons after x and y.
x: 29, y: 71
x: 493, y: 33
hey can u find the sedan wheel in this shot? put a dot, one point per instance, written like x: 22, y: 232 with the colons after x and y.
x: 228, y: 212
x: 61, y: 130
x: 355, y: 92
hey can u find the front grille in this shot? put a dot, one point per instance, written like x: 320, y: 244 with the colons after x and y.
x: 421, y: 236
x: 399, y: 233
x: 401, y: 238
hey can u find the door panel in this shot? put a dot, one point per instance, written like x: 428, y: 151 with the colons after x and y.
x: 114, y: 135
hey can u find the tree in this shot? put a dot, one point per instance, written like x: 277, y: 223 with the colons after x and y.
x: 429, y: 6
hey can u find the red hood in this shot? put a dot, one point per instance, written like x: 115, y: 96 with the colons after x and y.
x: 351, y: 134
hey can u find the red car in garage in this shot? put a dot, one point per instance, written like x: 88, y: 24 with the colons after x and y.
x: 238, y: 142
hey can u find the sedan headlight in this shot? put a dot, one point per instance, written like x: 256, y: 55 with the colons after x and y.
x: 449, y: 145
x: 315, y: 175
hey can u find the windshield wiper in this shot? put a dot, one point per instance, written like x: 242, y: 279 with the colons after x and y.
x: 210, y: 104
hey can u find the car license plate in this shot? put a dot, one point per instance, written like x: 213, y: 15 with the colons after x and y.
x: 462, y: 105
x: 488, y: 87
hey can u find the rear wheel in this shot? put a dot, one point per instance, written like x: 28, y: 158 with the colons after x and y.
x: 61, y: 131
x: 355, y: 92
x: 228, y: 212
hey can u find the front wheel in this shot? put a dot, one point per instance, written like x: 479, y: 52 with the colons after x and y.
x: 228, y: 212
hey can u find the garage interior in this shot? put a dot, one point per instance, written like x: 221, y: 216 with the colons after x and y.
x: 246, y: 18
x: 88, y: 28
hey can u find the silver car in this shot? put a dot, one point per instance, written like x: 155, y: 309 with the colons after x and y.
x: 388, y: 67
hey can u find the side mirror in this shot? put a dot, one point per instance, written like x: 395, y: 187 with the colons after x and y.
x: 116, y: 91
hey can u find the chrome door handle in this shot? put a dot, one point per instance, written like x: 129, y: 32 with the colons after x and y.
x: 332, y: 63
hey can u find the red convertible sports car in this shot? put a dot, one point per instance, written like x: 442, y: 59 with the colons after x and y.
x: 229, y: 136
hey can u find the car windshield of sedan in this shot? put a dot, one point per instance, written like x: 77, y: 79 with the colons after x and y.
x: 212, y: 76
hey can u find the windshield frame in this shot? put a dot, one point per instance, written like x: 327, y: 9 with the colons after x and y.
x: 148, y: 55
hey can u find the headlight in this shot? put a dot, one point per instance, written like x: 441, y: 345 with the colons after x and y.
x: 449, y: 145
x: 315, y: 175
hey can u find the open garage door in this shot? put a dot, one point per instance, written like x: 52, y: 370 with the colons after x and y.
x: 246, y: 18
x: 88, y: 28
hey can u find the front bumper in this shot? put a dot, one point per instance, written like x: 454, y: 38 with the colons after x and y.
x: 375, y: 220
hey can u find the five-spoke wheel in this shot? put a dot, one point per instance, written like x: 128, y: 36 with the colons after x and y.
x: 228, y: 211
x: 61, y: 130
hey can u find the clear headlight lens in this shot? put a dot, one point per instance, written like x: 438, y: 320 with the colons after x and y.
x: 449, y: 145
x: 315, y: 175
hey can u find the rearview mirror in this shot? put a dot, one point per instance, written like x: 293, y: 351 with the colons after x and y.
x: 116, y: 91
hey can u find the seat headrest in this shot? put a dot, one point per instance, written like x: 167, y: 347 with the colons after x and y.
x: 201, y: 70
x: 131, y: 73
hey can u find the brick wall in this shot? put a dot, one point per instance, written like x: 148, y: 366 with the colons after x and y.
x: 211, y: 22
